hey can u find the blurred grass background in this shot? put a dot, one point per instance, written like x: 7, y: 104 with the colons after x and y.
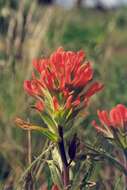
x: 28, y: 30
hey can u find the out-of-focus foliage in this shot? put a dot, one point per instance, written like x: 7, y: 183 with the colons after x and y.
x: 28, y: 30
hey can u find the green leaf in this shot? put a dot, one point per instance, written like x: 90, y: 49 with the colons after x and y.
x: 61, y: 116
x: 66, y: 114
x: 88, y: 174
x: 50, y: 122
x: 32, y: 127
x: 116, y: 163
x: 118, y: 183
x: 76, y: 180
x: 108, y: 157
x: 48, y: 101
x: 57, y: 158
x: 55, y: 174
x: 51, y: 136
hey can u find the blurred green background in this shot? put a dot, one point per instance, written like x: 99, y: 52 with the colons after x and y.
x: 28, y: 30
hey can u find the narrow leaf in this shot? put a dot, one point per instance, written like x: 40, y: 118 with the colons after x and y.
x: 28, y: 126
x: 55, y: 174
x: 50, y: 122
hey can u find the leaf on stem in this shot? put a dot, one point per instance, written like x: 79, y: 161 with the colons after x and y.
x: 55, y: 174
x: 27, y: 126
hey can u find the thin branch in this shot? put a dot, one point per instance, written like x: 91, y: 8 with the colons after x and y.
x: 29, y: 148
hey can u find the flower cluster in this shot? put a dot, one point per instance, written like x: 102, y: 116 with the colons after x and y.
x: 113, y: 123
x: 64, y: 74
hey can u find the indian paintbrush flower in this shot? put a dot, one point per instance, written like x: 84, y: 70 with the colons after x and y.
x: 61, y: 86
x: 113, y: 124
x: 64, y: 74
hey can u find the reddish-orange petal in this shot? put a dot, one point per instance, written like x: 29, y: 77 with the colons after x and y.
x: 122, y: 110
x: 31, y: 87
x: 69, y: 102
x: 116, y: 118
x: 103, y: 116
x: 39, y: 106
x: 76, y: 102
x: 96, y: 87
x: 98, y: 128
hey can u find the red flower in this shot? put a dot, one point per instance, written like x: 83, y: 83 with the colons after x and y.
x: 64, y: 73
x: 117, y: 118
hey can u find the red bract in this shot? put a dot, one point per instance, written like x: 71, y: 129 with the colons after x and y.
x: 69, y: 102
x: 119, y: 115
x: 95, y: 87
x: 117, y: 118
x: 39, y: 106
x: 31, y: 87
x: 65, y: 73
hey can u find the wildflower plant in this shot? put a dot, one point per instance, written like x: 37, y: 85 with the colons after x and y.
x: 62, y: 86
